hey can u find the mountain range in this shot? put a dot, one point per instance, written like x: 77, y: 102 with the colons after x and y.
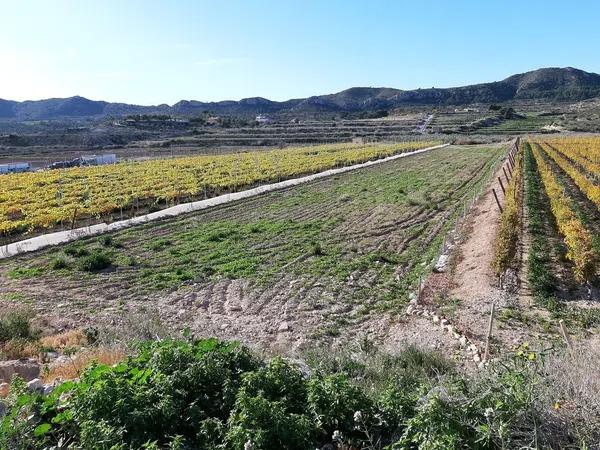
x: 550, y: 84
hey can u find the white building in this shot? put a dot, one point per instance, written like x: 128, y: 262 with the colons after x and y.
x: 98, y: 160
x: 15, y: 168
x: 262, y: 119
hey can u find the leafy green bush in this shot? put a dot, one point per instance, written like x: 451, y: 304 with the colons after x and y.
x: 208, y: 394
x: 59, y: 263
x: 76, y: 251
x: 95, y: 261
x: 16, y: 325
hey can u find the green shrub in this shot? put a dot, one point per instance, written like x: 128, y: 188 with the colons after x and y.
x: 16, y: 325
x: 59, y: 263
x: 95, y: 262
x: 76, y: 251
x: 24, y: 272
x: 208, y: 394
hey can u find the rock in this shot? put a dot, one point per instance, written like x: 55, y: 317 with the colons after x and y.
x: 25, y: 368
x: 472, y: 348
x: 284, y: 326
x: 51, y: 355
x: 60, y: 361
x: 449, y: 329
x: 4, y: 389
x: 463, y: 341
x: 436, y: 319
x: 444, y: 322
x: 456, y: 335
x: 409, y: 310
x: 2, y: 409
x: 440, y: 265
x: 476, y: 358
x: 35, y: 385
x: 47, y: 389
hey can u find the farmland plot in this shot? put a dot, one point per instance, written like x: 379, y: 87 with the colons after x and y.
x: 322, y: 260
x: 563, y: 191
x: 52, y: 199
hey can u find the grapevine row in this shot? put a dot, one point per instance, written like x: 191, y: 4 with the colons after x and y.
x: 589, y: 188
x: 510, y: 220
x: 580, y: 155
x: 45, y: 199
x: 576, y: 237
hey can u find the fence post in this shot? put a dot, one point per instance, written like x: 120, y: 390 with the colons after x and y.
x: 505, y: 174
x: 565, y: 335
x: 497, y: 201
x: 489, y: 333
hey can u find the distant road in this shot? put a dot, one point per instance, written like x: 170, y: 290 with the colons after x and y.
x: 421, y: 128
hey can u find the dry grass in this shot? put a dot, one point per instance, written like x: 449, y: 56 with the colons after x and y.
x: 19, y: 348
x: 76, y: 364
x: 572, y: 394
x: 67, y: 339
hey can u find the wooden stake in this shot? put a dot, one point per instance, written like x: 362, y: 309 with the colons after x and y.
x: 501, y: 185
x: 497, y: 201
x: 505, y: 175
x: 73, y: 219
x: 489, y: 333
x: 565, y: 335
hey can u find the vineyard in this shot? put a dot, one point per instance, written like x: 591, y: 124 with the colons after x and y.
x: 60, y: 198
x: 562, y: 199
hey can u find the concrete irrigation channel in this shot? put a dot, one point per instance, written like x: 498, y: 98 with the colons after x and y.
x: 62, y: 237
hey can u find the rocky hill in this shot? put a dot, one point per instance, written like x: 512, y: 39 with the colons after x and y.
x: 551, y: 84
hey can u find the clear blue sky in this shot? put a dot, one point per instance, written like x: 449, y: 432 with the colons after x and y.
x: 151, y: 52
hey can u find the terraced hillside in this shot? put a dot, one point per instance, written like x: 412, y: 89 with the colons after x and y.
x: 327, y: 259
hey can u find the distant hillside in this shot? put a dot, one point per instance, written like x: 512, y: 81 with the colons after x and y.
x: 557, y: 84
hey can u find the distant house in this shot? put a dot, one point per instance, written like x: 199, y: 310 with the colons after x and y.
x: 261, y: 118
x: 15, y: 168
x: 214, y: 120
x: 98, y: 160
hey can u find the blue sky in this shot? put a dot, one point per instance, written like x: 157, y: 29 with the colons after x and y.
x: 152, y: 52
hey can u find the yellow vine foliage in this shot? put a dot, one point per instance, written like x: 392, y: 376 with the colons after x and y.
x: 588, y: 187
x: 38, y: 200
x: 576, y: 237
x: 587, y: 147
x: 505, y: 246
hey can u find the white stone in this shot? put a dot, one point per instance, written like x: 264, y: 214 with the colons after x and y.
x: 35, y: 385
x: 463, y: 341
x: 284, y: 326
x: 476, y: 358
x: 436, y: 319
